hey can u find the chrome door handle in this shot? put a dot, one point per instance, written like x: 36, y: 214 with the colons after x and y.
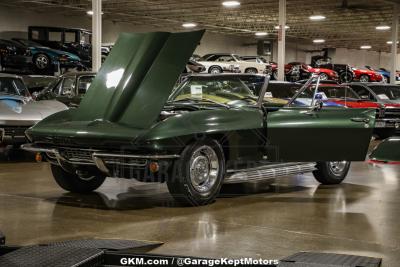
x: 365, y: 120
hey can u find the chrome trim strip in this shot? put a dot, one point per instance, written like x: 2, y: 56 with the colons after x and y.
x: 267, y: 172
x: 388, y: 119
x: 97, y: 154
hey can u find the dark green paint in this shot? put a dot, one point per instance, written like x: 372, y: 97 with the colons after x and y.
x: 387, y: 151
x: 138, y: 76
x: 327, y: 134
x: 125, y: 100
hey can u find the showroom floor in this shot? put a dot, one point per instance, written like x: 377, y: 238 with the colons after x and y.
x: 268, y: 220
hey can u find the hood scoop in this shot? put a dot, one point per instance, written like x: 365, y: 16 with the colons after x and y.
x: 137, y: 77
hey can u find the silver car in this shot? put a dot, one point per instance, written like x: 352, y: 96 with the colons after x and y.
x: 19, y: 111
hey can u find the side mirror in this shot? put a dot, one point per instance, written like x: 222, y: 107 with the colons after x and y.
x: 364, y: 97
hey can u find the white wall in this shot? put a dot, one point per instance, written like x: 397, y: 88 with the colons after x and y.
x: 14, y: 23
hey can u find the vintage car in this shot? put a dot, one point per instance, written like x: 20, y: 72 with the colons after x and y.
x: 208, y: 132
x: 221, y: 62
x: 18, y: 111
x: 388, y: 96
x: 45, y: 58
x: 366, y: 75
x: 68, y: 88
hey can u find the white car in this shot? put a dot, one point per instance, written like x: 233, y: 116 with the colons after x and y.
x: 218, y: 63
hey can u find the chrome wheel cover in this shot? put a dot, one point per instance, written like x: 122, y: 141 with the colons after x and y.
x: 41, y: 62
x: 337, y: 167
x: 323, y: 77
x: 215, y: 71
x: 364, y: 79
x: 204, y: 169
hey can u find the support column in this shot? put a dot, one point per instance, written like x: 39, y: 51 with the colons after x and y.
x: 281, y: 40
x: 96, y: 35
x: 395, y: 39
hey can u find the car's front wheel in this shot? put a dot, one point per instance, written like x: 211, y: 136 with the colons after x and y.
x: 323, y: 76
x: 364, y: 78
x: 331, y: 172
x: 42, y: 61
x: 74, y: 183
x: 198, y: 174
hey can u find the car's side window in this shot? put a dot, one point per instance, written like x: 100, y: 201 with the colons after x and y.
x: 67, y: 87
x: 363, y: 92
x: 84, y: 83
x: 55, y: 36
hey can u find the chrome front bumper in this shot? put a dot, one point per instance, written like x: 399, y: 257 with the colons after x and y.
x: 97, y: 158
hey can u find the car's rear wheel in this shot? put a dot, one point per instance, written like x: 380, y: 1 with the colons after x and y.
x: 198, y: 174
x: 74, y: 183
x: 345, y: 77
x: 323, y: 76
x: 364, y: 78
x: 215, y: 70
x: 331, y: 172
x: 251, y: 71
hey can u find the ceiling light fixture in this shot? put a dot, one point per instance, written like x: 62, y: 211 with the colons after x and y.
x: 319, y: 41
x: 277, y: 27
x: 317, y: 17
x: 189, y: 25
x: 90, y: 12
x: 365, y: 47
x: 391, y: 42
x: 382, y: 28
x: 231, y: 3
x: 261, y: 33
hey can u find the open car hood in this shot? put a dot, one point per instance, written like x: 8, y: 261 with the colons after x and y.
x: 387, y: 152
x: 131, y: 87
x: 137, y: 77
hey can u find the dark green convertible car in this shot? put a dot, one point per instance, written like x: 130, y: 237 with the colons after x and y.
x: 209, y: 131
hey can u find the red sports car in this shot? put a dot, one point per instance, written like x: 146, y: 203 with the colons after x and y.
x: 344, y: 95
x: 365, y: 75
x: 295, y: 71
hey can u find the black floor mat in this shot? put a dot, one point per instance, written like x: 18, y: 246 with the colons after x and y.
x: 39, y: 256
x: 312, y: 259
x: 106, y: 244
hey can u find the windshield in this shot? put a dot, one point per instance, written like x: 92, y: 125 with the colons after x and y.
x: 343, y: 92
x: 388, y: 92
x: 28, y: 42
x: 217, y: 90
x: 13, y: 86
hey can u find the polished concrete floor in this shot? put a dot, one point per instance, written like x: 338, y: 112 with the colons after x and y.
x: 269, y: 220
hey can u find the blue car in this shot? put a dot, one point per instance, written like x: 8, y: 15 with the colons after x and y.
x: 48, y: 59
